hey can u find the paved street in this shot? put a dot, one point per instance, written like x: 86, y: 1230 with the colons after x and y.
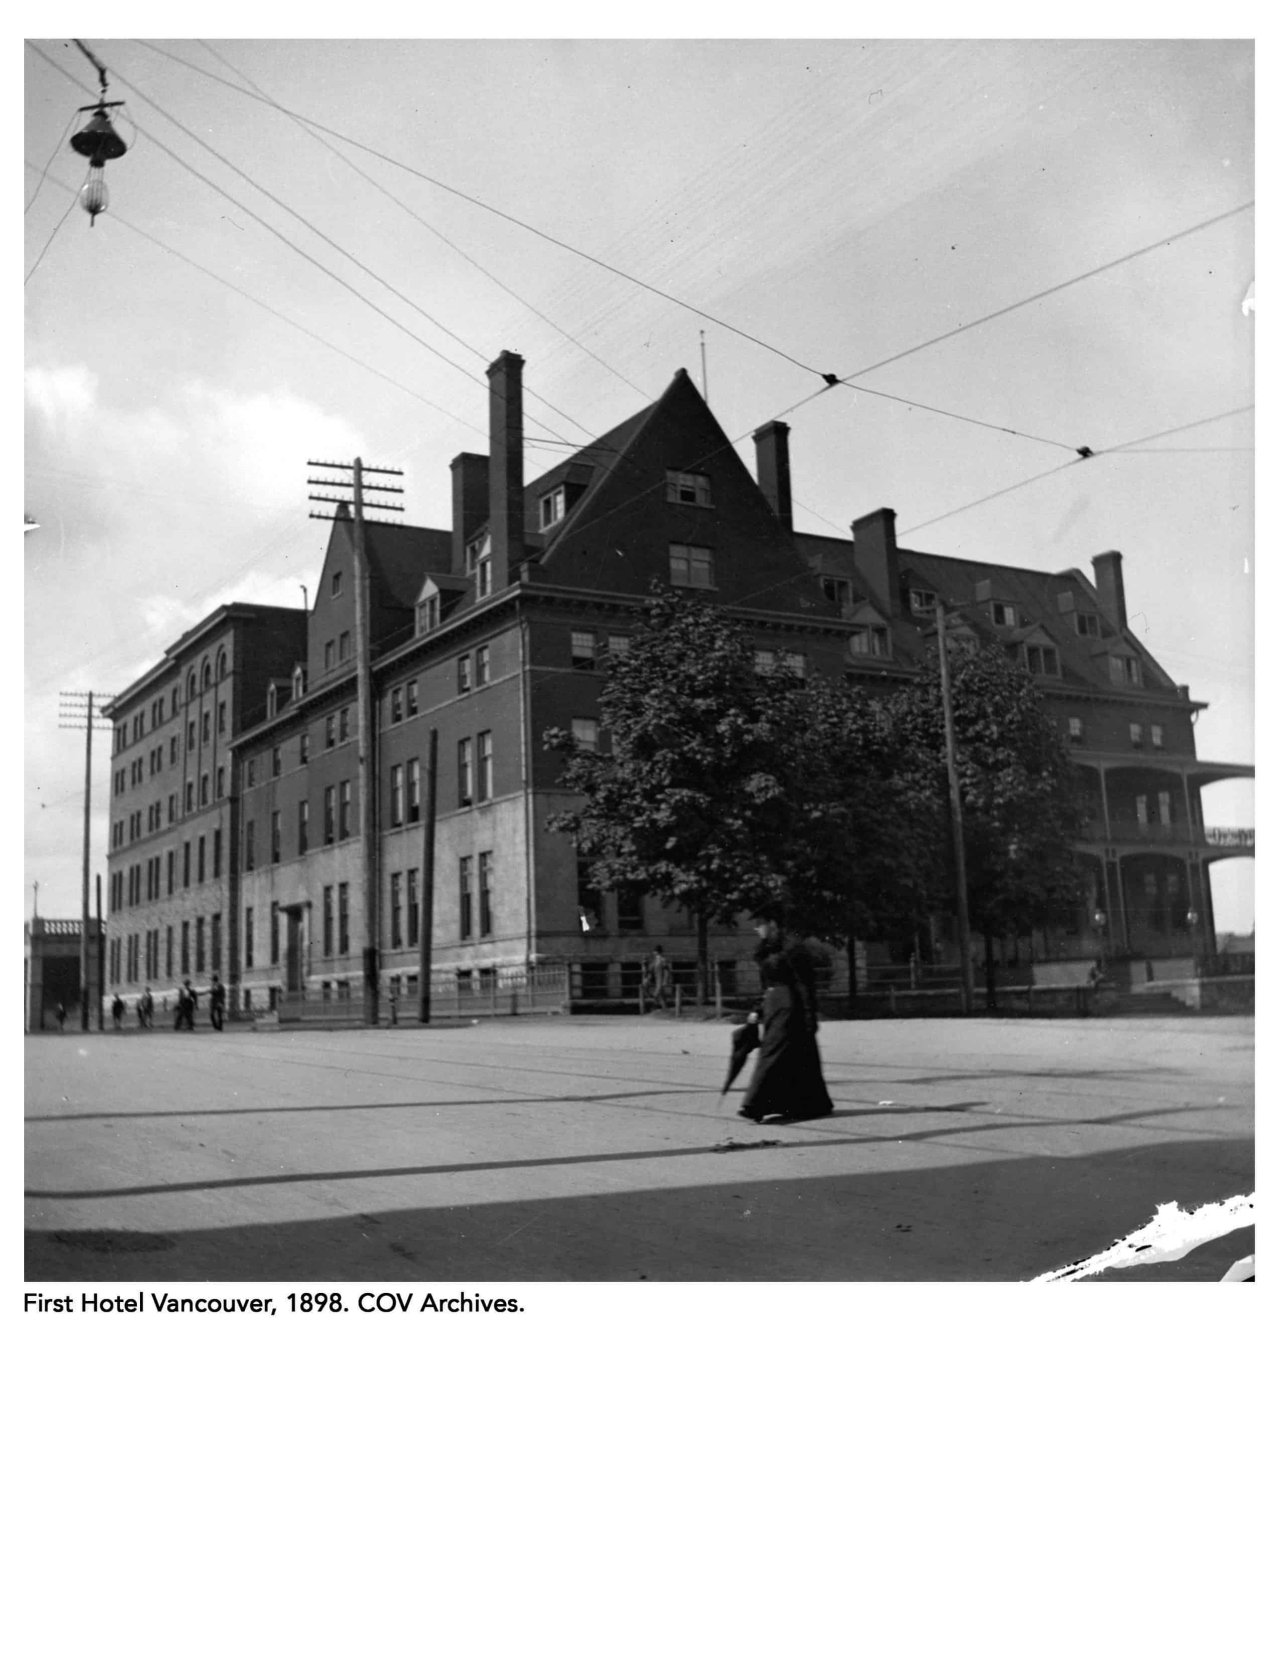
x: 598, y: 1149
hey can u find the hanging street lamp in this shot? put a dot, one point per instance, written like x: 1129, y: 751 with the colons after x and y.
x: 99, y: 142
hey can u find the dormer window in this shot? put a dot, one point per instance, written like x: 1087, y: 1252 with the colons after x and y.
x: 551, y: 508
x: 1042, y: 660
x: 272, y: 700
x: 480, y: 564
x: 869, y: 641
x: 688, y: 489
x: 839, y: 591
x: 1125, y: 670
x: 427, y: 617
x: 299, y: 683
x: 1086, y: 626
x: 922, y: 601
x: 1004, y: 615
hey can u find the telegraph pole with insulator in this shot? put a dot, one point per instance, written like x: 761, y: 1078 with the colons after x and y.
x: 366, y: 725
x: 76, y: 712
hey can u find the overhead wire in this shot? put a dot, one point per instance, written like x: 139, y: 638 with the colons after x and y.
x: 57, y: 227
x: 57, y: 151
x: 280, y: 316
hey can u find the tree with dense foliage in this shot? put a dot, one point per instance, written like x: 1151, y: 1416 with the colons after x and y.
x: 685, y: 797
x: 1020, y: 792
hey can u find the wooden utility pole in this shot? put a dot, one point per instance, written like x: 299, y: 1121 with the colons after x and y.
x: 76, y: 712
x: 366, y: 724
x: 957, y: 817
x: 427, y: 901
x: 102, y: 946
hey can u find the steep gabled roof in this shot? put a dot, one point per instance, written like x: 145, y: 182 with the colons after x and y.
x: 402, y: 555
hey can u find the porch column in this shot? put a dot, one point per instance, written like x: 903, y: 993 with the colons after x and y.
x: 1106, y: 808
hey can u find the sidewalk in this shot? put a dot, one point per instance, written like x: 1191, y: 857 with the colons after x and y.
x: 598, y: 1150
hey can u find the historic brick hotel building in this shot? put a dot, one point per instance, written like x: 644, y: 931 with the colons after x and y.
x: 237, y: 837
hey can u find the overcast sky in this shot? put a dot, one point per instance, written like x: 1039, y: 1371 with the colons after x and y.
x: 841, y: 201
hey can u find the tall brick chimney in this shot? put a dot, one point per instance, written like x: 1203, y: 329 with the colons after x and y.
x: 875, y: 557
x: 1108, y: 578
x: 470, y: 503
x: 506, y: 466
x: 773, y: 469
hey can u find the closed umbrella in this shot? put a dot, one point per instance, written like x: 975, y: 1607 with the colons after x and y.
x: 746, y: 1038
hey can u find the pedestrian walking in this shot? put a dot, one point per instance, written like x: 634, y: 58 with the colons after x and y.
x: 146, y: 1008
x: 658, y: 977
x: 787, y: 1080
x: 117, y: 1011
x: 799, y: 961
x: 217, y: 1001
x: 62, y: 1016
x: 185, y: 1019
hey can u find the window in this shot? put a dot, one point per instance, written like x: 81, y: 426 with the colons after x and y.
x: 299, y: 683
x: 482, y: 672
x: 330, y: 730
x: 220, y: 786
x: 199, y: 943
x: 619, y: 645
x: 485, y: 861
x: 793, y: 661
x: 191, y: 687
x: 427, y: 617
x: 411, y: 778
x: 688, y: 488
x: 1042, y: 659
x: 206, y: 726
x: 1135, y: 736
x: 1075, y: 732
x: 304, y: 748
x: 1157, y: 736
x: 839, y: 591
x: 464, y: 897
x: 303, y: 814
x: 411, y: 698
x: 464, y: 771
x: 327, y: 947
x: 586, y: 734
x: 217, y: 853
x: 630, y: 909
x: 344, y: 724
x: 248, y: 935
x: 275, y: 836
x: 397, y: 940
x: 397, y: 705
x: 275, y: 934
x: 186, y: 948
x: 335, y: 586
x: 464, y: 674
x: 173, y: 808
x: 869, y: 642
x: 397, y: 795
x: 344, y: 646
x: 1004, y: 615
x: 191, y: 735
x: 344, y: 919
x: 551, y: 508
x: 173, y: 704
x: 191, y: 795
x: 250, y: 772
x: 248, y: 846
x: 169, y: 861
x: 582, y: 650
x: 173, y: 750
x: 329, y: 797
x: 1125, y: 670
x: 1086, y: 626
x: 215, y: 943
x: 273, y: 700
x: 484, y: 770
x: 328, y: 655
x: 344, y: 810
x: 921, y: 600
x: 1164, y: 807
x: 412, y: 906
x: 168, y: 943
x: 200, y: 861
x: 691, y: 566
x: 1140, y: 808
x: 277, y: 762
x: 204, y: 788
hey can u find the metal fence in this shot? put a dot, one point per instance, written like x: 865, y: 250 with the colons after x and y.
x: 481, y: 992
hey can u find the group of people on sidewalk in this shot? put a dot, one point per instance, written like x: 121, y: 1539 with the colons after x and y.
x: 185, y: 1012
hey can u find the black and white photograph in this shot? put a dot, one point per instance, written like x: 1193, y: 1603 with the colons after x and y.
x: 638, y: 690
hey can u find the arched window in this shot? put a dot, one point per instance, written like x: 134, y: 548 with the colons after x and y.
x: 271, y: 701
x: 222, y: 664
x: 191, y: 686
x: 206, y: 675
x: 299, y: 682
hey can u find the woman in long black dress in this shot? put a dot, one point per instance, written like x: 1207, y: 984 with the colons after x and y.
x: 787, y: 1080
